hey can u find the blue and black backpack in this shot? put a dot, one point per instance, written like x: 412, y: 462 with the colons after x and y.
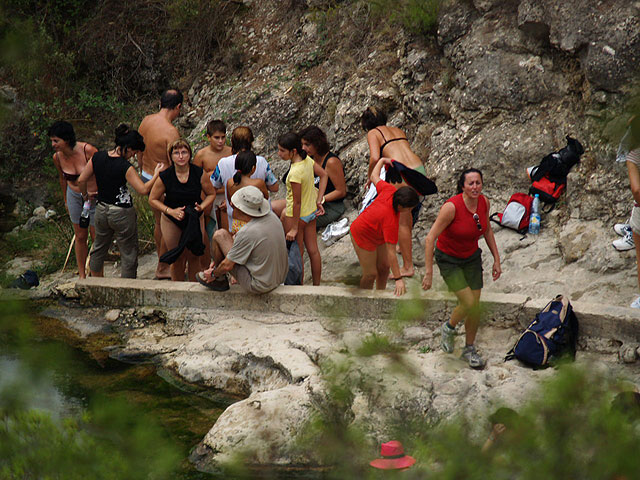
x: 553, y: 333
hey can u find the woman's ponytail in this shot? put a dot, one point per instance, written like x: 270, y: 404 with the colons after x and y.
x: 245, y: 161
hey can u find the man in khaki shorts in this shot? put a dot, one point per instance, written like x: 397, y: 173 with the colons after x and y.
x: 257, y: 255
x: 158, y: 132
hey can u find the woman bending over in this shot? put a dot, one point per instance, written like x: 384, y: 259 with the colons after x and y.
x: 374, y: 233
x: 391, y: 142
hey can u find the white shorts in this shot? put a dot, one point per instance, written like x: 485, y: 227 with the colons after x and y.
x: 634, y: 221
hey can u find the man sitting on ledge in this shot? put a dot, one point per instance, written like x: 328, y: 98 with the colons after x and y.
x: 257, y: 256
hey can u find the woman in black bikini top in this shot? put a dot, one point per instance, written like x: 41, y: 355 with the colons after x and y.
x: 386, y: 142
x: 374, y: 122
x: 72, y: 156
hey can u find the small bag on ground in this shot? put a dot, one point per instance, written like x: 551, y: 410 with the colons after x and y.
x: 553, y: 333
x: 516, y: 214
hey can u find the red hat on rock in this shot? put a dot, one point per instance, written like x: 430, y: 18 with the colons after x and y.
x: 393, y: 457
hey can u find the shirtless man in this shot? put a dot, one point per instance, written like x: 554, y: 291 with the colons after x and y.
x: 158, y: 132
x: 208, y: 158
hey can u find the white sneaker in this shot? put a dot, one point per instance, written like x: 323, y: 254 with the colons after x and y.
x: 635, y: 303
x: 624, y: 243
x: 622, y: 229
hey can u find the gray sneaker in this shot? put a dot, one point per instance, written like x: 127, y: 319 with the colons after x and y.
x: 471, y: 355
x: 448, y: 335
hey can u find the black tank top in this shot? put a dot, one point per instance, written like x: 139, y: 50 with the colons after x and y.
x: 330, y: 186
x: 179, y: 194
x: 111, y: 177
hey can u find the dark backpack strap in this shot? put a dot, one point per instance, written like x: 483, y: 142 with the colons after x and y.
x: 548, y: 208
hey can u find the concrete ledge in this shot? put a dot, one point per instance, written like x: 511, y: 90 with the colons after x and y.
x: 596, y: 320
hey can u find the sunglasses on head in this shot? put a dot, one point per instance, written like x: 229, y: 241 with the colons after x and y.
x: 476, y: 217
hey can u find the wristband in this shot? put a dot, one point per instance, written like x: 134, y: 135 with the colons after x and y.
x: 396, y: 279
x: 166, y: 211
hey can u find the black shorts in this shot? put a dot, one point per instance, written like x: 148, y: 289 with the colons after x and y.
x: 459, y: 273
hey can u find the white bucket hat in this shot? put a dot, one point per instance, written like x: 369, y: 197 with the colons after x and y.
x: 250, y: 200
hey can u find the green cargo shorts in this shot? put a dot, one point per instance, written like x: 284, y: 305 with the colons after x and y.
x: 459, y: 273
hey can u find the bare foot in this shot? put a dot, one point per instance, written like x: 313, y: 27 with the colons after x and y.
x: 404, y: 272
x: 163, y: 271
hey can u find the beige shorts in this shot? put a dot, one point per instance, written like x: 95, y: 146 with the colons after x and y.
x: 635, y: 220
x: 243, y: 276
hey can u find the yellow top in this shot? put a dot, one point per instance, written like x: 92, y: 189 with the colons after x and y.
x: 302, y: 173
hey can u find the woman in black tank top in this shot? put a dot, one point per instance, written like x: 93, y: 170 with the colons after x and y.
x: 314, y: 141
x: 187, y: 191
x: 115, y: 215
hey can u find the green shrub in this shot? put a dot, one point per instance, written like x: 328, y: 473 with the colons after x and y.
x: 416, y: 16
x: 146, y: 222
x: 47, y: 242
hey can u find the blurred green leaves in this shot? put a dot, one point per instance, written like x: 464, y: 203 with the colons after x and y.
x: 107, y: 440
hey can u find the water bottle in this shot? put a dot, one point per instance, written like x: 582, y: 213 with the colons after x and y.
x: 534, y: 218
x: 84, y: 216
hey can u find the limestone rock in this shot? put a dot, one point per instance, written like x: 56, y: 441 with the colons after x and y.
x: 19, y: 265
x: 39, y: 211
x: 112, y: 315
x: 263, y: 427
x: 243, y: 356
x: 628, y: 353
x: 67, y: 290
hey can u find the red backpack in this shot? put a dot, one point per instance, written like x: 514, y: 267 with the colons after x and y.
x: 516, y: 214
x: 548, y: 190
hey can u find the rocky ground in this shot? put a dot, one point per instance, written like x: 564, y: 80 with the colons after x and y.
x: 276, y: 363
x: 576, y: 260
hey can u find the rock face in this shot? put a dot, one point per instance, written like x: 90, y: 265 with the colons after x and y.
x: 499, y: 87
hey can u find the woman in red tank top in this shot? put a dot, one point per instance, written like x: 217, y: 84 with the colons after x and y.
x: 462, y: 220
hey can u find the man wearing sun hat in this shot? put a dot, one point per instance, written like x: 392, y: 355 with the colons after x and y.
x: 257, y: 256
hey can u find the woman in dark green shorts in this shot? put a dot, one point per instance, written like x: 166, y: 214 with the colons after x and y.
x: 462, y: 220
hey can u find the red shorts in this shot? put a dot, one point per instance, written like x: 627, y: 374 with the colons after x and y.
x: 362, y: 237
